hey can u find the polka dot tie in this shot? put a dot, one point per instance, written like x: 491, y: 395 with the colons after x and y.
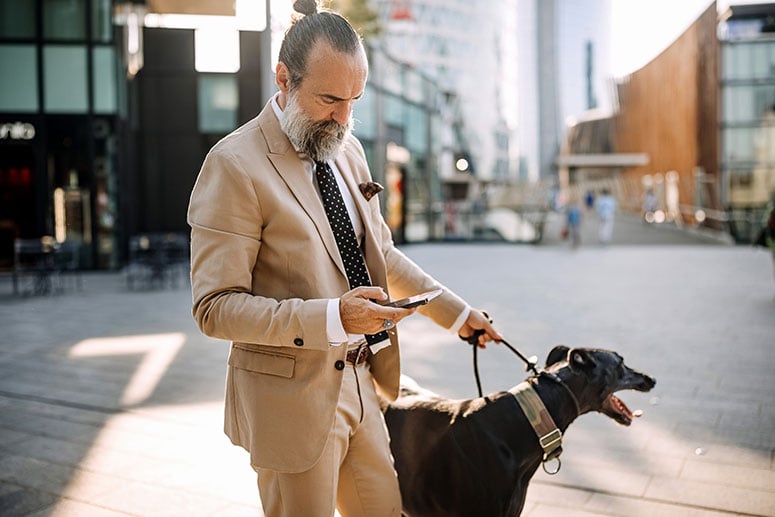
x: 342, y: 227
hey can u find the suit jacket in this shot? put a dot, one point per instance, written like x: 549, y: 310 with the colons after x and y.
x: 264, y: 263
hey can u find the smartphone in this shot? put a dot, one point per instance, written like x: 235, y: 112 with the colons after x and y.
x: 416, y: 300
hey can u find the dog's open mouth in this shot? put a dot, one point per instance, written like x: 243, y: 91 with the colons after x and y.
x: 618, y: 410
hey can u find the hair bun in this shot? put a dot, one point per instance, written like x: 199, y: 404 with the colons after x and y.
x: 305, y: 7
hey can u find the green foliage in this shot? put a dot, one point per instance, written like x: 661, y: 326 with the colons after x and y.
x: 363, y: 18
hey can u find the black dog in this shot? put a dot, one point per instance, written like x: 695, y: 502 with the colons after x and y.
x: 476, y: 457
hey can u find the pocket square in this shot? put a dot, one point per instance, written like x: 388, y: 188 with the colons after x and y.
x: 370, y: 189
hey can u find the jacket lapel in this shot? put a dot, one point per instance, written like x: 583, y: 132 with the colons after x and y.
x: 292, y: 170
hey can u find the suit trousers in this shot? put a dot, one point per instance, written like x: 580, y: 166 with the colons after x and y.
x: 355, y: 474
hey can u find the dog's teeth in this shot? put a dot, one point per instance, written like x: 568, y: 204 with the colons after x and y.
x: 637, y: 413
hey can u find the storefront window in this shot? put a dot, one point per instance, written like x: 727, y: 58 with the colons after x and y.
x: 747, y: 103
x: 739, y: 144
x: 17, y: 19
x: 218, y: 100
x: 101, y: 25
x: 18, y: 79
x: 104, y: 80
x: 364, y: 113
x: 64, y: 79
x: 64, y: 19
x: 416, y: 129
x: 750, y: 60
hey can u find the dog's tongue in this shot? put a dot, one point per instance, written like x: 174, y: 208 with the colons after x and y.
x: 622, y: 408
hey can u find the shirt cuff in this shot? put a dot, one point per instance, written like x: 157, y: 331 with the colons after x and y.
x: 334, y: 329
x: 461, y: 319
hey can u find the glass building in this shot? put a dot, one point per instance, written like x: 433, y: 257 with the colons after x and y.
x: 747, y: 93
x: 106, y: 113
x: 60, y: 98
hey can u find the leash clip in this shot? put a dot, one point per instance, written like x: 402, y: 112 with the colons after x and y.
x: 555, y: 471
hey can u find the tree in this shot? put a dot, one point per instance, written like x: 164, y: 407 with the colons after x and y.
x: 362, y: 17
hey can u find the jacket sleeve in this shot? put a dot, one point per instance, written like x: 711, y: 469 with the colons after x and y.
x: 226, y: 230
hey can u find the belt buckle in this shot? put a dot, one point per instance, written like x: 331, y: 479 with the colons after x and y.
x: 363, y: 351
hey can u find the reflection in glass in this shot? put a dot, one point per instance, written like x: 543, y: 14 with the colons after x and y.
x: 18, y: 79
x: 17, y: 19
x: 101, y: 26
x: 104, y: 80
x: 218, y: 101
x: 64, y: 19
x: 64, y: 79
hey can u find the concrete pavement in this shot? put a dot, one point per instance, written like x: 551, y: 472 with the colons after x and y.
x: 111, y: 400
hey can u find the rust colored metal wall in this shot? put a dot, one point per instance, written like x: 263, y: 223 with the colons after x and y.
x: 669, y: 109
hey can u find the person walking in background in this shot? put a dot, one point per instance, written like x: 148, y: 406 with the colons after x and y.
x: 589, y: 200
x: 290, y: 259
x: 649, y: 206
x: 606, y: 208
x: 573, y: 222
x: 766, y: 236
x: 771, y: 235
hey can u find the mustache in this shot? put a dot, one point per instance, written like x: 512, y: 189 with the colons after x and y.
x: 330, y: 128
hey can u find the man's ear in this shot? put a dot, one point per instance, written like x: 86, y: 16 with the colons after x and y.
x: 558, y: 353
x: 282, y: 77
x: 580, y: 359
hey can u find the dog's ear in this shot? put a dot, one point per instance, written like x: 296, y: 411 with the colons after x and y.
x: 581, y: 359
x: 558, y: 353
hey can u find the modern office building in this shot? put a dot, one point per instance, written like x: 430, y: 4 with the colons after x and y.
x: 564, y: 69
x: 468, y: 50
x: 747, y: 121
x: 62, y: 100
x: 702, y: 113
x: 106, y: 111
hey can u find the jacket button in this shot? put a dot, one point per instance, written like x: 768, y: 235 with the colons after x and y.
x: 298, y: 341
x: 339, y: 365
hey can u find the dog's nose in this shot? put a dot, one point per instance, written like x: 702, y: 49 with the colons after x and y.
x: 648, y: 382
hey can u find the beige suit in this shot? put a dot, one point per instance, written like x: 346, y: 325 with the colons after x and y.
x: 264, y: 262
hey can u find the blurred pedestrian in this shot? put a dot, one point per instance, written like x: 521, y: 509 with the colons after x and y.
x: 573, y: 222
x: 767, y: 235
x: 649, y: 206
x: 289, y: 255
x: 771, y: 235
x: 606, y: 209
x: 589, y: 200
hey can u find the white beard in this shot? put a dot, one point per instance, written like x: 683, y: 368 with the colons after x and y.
x: 321, y: 141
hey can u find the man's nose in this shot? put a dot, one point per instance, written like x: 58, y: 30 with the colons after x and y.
x: 341, y: 113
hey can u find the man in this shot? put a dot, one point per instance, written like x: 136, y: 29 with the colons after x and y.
x: 606, y: 208
x: 308, y: 353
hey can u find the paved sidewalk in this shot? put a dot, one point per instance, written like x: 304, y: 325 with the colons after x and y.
x: 111, y: 400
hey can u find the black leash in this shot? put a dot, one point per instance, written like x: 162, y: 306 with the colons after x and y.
x: 473, y: 340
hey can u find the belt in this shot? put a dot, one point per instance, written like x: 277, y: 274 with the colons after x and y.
x: 358, y: 355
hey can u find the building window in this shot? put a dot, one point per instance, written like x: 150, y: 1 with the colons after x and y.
x: 739, y: 144
x: 218, y: 101
x: 17, y: 19
x: 18, y: 79
x: 747, y: 103
x: 104, y: 80
x: 101, y: 23
x: 364, y: 114
x: 64, y: 79
x: 749, y: 60
x: 64, y: 19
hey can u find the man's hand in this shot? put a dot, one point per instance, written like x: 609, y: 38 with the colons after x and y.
x: 478, y: 321
x: 360, y: 315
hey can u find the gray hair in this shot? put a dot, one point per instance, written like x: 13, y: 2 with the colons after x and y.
x: 307, y: 30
